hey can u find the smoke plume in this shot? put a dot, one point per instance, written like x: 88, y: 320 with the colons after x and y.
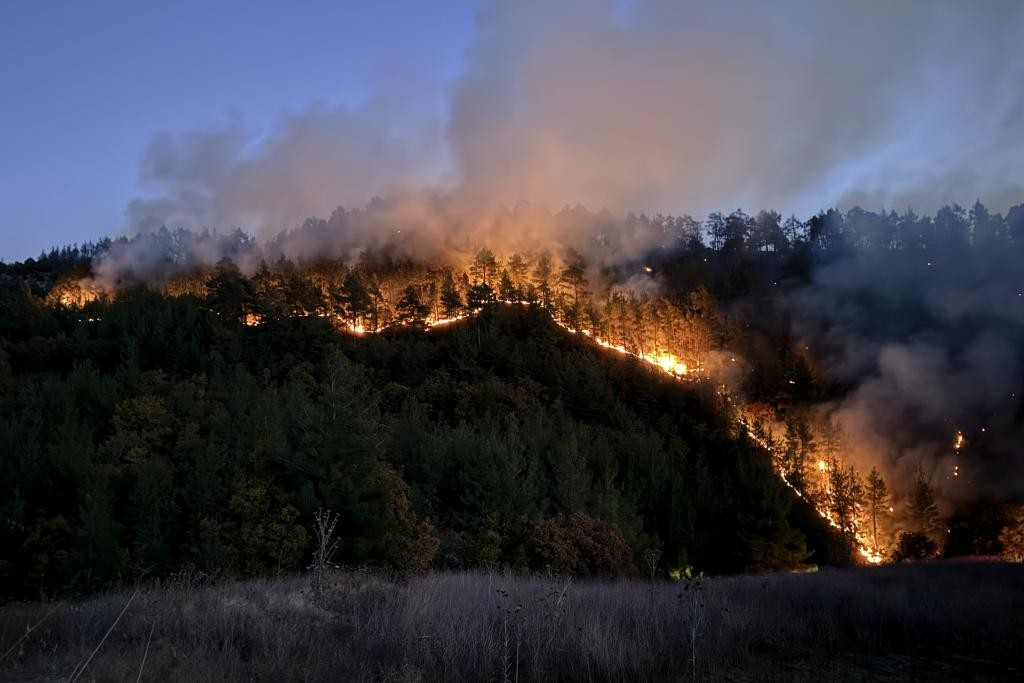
x: 652, y: 106
x: 931, y: 344
x: 680, y: 107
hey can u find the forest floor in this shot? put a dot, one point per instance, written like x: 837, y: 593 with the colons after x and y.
x: 926, y: 621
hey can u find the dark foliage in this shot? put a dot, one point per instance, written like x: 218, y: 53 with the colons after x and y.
x: 580, y: 545
x: 199, y: 422
x: 914, y: 545
x: 152, y: 433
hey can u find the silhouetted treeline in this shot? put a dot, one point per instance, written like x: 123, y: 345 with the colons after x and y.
x: 167, y: 252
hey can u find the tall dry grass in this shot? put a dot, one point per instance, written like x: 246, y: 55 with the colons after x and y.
x: 940, y: 621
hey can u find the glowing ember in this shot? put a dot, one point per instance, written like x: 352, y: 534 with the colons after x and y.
x: 670, y: 364
x: 441, y: 322
x: 76, y: 293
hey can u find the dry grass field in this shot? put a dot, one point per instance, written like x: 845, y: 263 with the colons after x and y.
x: 930, y: 621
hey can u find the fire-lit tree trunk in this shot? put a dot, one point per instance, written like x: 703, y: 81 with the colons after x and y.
x: 878, y: 501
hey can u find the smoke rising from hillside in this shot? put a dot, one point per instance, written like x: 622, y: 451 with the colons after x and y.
x: 658, y: 106
x: 932, y: 345
x: 661, y: 106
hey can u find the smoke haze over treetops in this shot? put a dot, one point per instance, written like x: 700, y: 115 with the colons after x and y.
x: 685, y: 107
x: 641, y: 106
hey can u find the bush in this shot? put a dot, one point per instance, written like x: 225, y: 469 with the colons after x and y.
x: 914, y: 545
x: 581, y: 545
x: 1012, y: 536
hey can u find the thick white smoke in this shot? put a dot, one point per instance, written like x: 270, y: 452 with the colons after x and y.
x: 650, y: 105
x: 680, y: 107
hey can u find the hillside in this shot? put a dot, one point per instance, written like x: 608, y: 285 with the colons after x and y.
x: 149, y: 435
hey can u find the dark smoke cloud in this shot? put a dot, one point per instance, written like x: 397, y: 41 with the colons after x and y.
x: 929, y: 350
x: 649, y: 106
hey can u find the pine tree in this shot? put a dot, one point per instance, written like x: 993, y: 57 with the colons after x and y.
x: 517, y: 268
x: 484, y: 267
x: 573, y: 277
x: 714, y: 226
x: 354, y: 299
x: 542, y: 280
x: 451, y: 300
x: 877, y: 496
x: 410, y: 310
x: 923, y: 513
x: 231, y: 295
x: 506, y: 288
x: 479, y: 295
x: 847, y: 494
x: 799, y: 446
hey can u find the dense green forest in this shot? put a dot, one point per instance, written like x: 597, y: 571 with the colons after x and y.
x: 164, y: 436
x: 197, y: 420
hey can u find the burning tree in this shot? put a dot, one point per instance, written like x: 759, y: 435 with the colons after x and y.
x: 479, y: 296
x: 230, y: 294
x: 484, y: 267
x: 410, y: 311
x: 354, y: 300
x: 451, y: 301
x: 507, y: 290
x: 542, y: 280
x: 877, y: 499
x: 846, y: 497
x: 797, y: 451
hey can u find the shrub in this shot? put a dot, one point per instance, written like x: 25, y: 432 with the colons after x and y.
x: 581, y: 545
x: 914, y: 545
x: 1012, y: 536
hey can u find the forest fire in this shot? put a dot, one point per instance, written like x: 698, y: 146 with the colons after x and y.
x: 661, y: 359
x: 441, y: 322
x: 75, y: 293
x: 616, y: 340
x: 684, y: 337
x: 823, y: 499
x: 670, y: 364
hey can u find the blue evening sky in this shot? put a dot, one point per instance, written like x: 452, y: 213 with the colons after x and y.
x: 86, y: 85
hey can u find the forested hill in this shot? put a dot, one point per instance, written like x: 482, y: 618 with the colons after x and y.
x: 155, y: 436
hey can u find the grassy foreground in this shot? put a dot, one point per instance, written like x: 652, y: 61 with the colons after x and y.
x: 937, y: 621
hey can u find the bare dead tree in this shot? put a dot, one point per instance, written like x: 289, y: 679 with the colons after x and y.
x: 326, y: 545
